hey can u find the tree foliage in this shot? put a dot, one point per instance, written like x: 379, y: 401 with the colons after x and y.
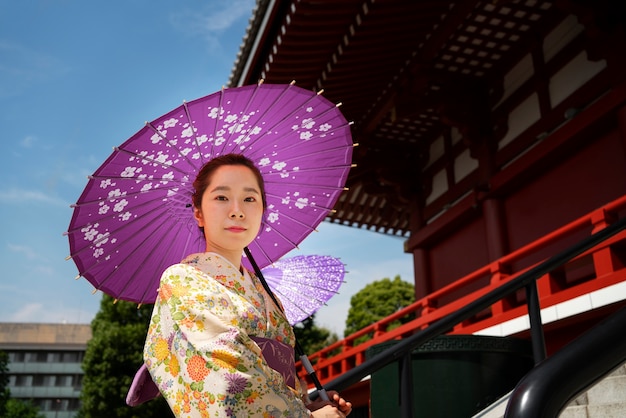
x: 5, y: 393
x: 376, y: 301
x: 17, y: 408
x: 113, y: 355
x: 311, y: 337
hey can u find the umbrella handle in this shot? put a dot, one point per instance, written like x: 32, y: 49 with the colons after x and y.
x: 311, y: 372
x: 303, y: 357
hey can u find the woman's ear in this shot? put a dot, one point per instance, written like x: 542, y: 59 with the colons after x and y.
x: 197, y: 213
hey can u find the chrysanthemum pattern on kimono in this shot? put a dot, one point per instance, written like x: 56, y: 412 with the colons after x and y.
x: 199, y: 351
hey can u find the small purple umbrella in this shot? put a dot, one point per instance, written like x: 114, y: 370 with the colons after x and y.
x: 134, y: 217
x: 304, y: 283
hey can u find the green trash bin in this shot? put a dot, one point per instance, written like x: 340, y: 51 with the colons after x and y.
x: 453, y: 375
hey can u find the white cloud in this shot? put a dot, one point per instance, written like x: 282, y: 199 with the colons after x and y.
x: 28, y: 312
x: 214, y: 20
x: 24, y: 250
x: 22, y: 67
x: 30, y: 196
x: 28, y: 141
x: 37, y: 312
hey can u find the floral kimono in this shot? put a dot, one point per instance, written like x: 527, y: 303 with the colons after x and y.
x: 213, y: 334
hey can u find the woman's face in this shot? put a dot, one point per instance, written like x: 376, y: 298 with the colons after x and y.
x: 231, y: 211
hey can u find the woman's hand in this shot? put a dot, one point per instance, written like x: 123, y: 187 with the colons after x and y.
x: 340, y: 406
x: 327, y: 411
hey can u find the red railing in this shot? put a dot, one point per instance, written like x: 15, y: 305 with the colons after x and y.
x: 595, y: 269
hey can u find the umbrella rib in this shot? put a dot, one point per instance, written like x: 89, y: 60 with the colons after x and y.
x: 262, y: 251
x: 317, y: 152
x: 245, y: 109
x: 163, y: 137
x: 280, y: 234
x: 274, y: 103
x: 109, y: 233
x: 297, y: 144
x: 310, y: 170
x: 315, y: 285
x: 343, y: 125
x: 124, y: 261
x: 113, y: 214
x: 320, y: 187
x: 284, y: 117
x: 153, y: 160
x: 312, y: 299
x: 138, y: 179
x: 293, y: 304
x: 162, y: 181
x: 145, y: 292
x: 219, y: 119
x: 104, y: 237
x: 194, y: 130
x: 291, y: 218
x: 309, y: 205
x: 85, y: 203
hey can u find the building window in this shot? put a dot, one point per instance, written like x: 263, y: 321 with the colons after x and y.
x: 64, y: 380
x: 72, y: 357
x: 78, y: 381
x: 74, y: 404
x: 44, y: 380
x: 16, y: 357
x: 54, y: 357
x: 36, y: 357
x: 23, y: 380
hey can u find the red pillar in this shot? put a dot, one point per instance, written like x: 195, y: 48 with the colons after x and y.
x: 496, y: 228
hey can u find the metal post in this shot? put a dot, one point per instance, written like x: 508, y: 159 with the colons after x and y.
x: 406, y: 386
x: 536, y: 327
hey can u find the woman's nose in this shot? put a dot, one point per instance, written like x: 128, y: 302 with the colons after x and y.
x: 236, y: 212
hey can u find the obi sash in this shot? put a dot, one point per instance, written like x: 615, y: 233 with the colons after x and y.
x: 280, y: 357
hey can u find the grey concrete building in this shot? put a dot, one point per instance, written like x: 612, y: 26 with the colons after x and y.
x: 45, y: 364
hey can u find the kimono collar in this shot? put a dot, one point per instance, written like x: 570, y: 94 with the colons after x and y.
x: 211, y: 262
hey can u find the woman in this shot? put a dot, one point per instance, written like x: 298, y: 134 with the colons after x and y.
x: 217, y: 344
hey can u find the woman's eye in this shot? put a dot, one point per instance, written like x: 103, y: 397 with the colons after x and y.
x: 250, y: 199
x: 221, y: 198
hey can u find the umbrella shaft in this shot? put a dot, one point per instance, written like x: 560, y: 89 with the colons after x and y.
x: 305, y: 360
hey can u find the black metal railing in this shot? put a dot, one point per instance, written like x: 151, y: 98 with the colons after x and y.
x: 528, y: 280
x: 555, y: 382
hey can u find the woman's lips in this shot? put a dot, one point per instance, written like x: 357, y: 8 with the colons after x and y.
x: 236, y: 229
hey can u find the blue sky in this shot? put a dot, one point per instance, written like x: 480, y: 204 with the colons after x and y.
x: 79, y: 77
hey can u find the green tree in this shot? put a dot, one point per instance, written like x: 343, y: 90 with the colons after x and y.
x: 311, y: 337
x: 5, y: 393
x: 376, y: 301
x: 16, y: 408
x: 113, y: 355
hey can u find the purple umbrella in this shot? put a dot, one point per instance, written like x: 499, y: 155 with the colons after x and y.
x: 304, y: 283
x: 134, y: 217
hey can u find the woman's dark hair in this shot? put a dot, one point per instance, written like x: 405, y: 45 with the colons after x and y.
x: 203, y: 179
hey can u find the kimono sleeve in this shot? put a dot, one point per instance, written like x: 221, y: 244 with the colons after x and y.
x: 200, y: 356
